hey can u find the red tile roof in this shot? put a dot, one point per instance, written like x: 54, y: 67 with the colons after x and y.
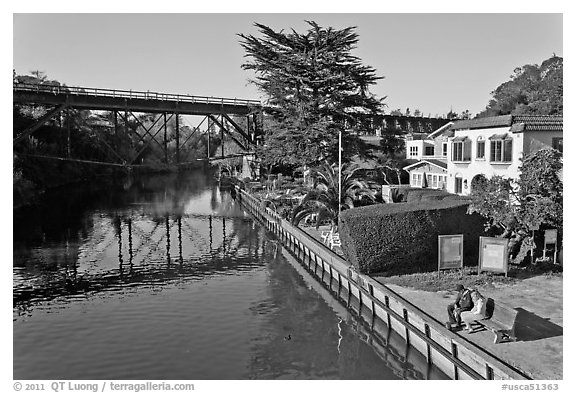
x: 536, y: 123
x: 483, y: 122
x: 518, y: 123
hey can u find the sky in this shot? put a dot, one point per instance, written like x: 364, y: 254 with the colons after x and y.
x: 432, y: 62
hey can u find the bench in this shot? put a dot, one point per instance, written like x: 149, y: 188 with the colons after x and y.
x: 501, y: 320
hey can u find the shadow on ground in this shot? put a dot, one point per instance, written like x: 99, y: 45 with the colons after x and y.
x: 531, y: 327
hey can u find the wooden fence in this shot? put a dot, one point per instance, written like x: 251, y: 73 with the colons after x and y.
x: 374, y: 302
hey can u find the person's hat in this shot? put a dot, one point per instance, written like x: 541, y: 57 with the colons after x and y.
x: 459, y: 287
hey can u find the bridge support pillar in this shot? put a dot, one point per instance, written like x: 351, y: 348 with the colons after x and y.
x: 165, y: 139
x: 222, y: 134
x: 208, y: 133
x: 178, y: 142
x: 68, y: 133
x: 116, y: 142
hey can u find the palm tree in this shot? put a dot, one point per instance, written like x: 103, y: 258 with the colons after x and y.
x: 322, y: 199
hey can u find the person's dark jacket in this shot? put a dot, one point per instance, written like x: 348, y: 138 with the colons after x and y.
x: 464, y: 299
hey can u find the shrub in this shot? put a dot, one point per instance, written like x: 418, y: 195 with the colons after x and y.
x: 416, y: 195
x: 403, y: 238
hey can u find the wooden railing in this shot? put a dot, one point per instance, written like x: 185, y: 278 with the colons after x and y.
x: 451, y: 353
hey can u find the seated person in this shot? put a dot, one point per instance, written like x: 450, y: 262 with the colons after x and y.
x: 478, y: 311
x: 462, y: 303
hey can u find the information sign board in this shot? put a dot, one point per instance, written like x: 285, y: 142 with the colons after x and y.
x: 493, y: 255
x: 450, y: 252
x: 550, y: 236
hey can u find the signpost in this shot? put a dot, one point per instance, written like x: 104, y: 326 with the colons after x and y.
x: 493, y: 255
x: 532, y: 242
x: 450, y: 252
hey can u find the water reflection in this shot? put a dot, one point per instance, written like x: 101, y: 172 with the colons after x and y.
x: 167, y: 277
x: 156, y: 230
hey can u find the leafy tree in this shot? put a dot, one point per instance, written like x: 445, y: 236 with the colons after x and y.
x: 315, y: 88
x: 514, y: 207
x: 323, y: 199
x: 533, y: 89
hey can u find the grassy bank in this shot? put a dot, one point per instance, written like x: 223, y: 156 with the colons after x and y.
x: 430, y: 281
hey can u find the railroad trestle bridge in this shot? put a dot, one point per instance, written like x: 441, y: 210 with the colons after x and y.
x: 235, y: 120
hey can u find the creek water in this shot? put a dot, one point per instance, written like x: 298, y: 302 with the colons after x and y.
x: 167, y: 277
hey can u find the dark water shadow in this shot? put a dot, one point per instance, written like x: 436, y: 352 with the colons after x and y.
x: 531, y: 327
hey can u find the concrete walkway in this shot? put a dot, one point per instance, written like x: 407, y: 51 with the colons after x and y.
x: 538, y: 352
x: 539, y: 349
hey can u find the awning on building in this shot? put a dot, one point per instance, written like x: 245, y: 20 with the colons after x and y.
x: 460, y: 139
x: 500, y: 137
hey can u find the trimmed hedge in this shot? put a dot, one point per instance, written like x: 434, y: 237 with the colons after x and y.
x: 403, y: 238
x: 416, y: 195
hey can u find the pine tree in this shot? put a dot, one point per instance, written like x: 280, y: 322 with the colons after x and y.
x: 315, y: 88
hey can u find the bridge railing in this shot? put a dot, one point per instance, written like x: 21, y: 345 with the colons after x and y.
x: 131, y: 94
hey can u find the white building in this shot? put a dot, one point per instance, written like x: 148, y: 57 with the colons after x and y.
x: 458, y: 153
x: 431, y: 151
x: 495, y: 146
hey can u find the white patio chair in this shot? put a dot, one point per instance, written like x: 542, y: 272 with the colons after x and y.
x: 327, y: 235
x: 335, y: 241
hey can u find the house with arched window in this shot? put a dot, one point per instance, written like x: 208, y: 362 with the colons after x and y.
x: 485, y: 147
x: 459, y: 154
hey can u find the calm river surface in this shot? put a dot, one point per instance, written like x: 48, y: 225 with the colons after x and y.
x: 166, y: 277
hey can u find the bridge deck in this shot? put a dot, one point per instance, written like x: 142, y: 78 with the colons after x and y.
x: 136, y: 101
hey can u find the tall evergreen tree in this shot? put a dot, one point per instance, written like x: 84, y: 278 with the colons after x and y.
x: 315, y: 88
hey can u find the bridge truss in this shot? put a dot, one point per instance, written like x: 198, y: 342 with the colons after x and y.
x: 235, y: 120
